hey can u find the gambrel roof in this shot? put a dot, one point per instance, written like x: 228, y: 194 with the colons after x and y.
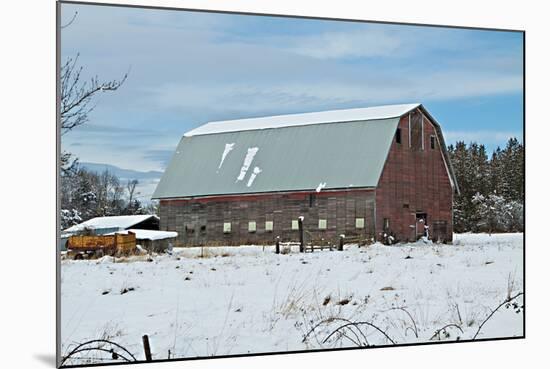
x: 337, y: 149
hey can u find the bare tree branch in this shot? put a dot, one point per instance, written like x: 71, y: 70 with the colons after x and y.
x: 438, y: 332
x: 414, y: 327
x: 506, y: 301
x: 357, y: 324
x: 71, y: 21
x: 77, y: 95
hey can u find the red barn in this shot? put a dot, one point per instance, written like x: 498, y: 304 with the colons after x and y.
x: 359, y: 172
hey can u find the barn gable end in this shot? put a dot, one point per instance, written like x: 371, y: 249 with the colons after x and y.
x: 416, y: 187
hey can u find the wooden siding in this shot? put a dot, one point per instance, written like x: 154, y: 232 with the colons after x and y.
x: 414, y: 180
x: 121, y: 243
x: 200, y: 221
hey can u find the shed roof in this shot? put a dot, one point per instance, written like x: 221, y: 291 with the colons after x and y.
x: 120, y: 222
x: 146, y: 234
x: 336, y: 149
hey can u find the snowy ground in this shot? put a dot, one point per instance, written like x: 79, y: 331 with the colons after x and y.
x: 236, y: 300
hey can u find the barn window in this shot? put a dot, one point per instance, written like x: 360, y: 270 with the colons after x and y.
x: 359, y: 223
x: 203, y: 229
x: 227, y: 227
x: 269, y: 226
x: 295, y: 225
x: 432, y: 142
x: 251, y: 227
x: 386, y: 224
x: 189, y: 229
x: 322, y: 224
x: 398, y: 136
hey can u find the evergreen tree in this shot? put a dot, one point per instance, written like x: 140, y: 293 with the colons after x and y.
x: 490, y: 213
x: 459, y: 160
x: 512, y: 163
x: 491, y: 190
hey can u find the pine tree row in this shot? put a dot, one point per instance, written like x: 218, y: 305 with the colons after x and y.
x: 492, y: 189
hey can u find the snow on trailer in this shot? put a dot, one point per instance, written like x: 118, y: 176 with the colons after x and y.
x: 145, y: 234
x: 152, y: 240
x: 110, y: 224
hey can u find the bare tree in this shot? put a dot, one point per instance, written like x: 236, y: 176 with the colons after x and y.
x: 68, y: 164
x: 131, y: 187
x: 77, y: 95
x: 76, y: 99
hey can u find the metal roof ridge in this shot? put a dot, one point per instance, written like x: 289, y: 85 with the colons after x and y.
x: 381, y: 112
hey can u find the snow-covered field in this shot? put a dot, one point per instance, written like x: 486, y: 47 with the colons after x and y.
x: 236, y: 300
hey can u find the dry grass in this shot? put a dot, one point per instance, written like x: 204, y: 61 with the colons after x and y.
x: 133, y: 258
x: 285, y: 250
x: 343, y: 302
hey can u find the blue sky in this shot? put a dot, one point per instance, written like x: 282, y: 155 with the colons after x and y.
x: 188, y: 68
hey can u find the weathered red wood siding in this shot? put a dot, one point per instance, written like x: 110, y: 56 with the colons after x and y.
x: 417, y: 177
x: 339, y: 208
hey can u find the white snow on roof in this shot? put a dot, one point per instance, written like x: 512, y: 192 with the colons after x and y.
x: 145, y: 234
x: 228, y: 148
x: 120, y: 222
x: 253, y: 176
x: 321, y: 186
x: 278, y: 121
x: 251, y: 152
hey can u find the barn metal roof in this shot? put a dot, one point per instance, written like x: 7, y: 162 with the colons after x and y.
x: 292, y: 120
x: 314, y: 151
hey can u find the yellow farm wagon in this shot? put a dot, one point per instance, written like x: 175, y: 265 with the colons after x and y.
x: 100, y: 245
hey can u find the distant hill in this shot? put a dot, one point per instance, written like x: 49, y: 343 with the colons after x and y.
x: 121, y: 173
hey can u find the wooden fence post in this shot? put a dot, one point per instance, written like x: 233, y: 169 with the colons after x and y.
x: 147, y: 348
x: 341, y: 243
x: 301, y: 230
x: 277, y: 246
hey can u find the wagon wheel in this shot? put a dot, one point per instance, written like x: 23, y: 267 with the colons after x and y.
x: 97, y: 350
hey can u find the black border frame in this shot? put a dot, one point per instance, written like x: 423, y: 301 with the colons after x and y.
x: 58, y: 5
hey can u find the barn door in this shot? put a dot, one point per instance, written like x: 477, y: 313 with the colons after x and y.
x: 421, y: 222
x: 439, y: 231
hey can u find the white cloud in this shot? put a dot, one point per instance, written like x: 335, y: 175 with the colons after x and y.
x: 307, y: 95
x: 355, y: 44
